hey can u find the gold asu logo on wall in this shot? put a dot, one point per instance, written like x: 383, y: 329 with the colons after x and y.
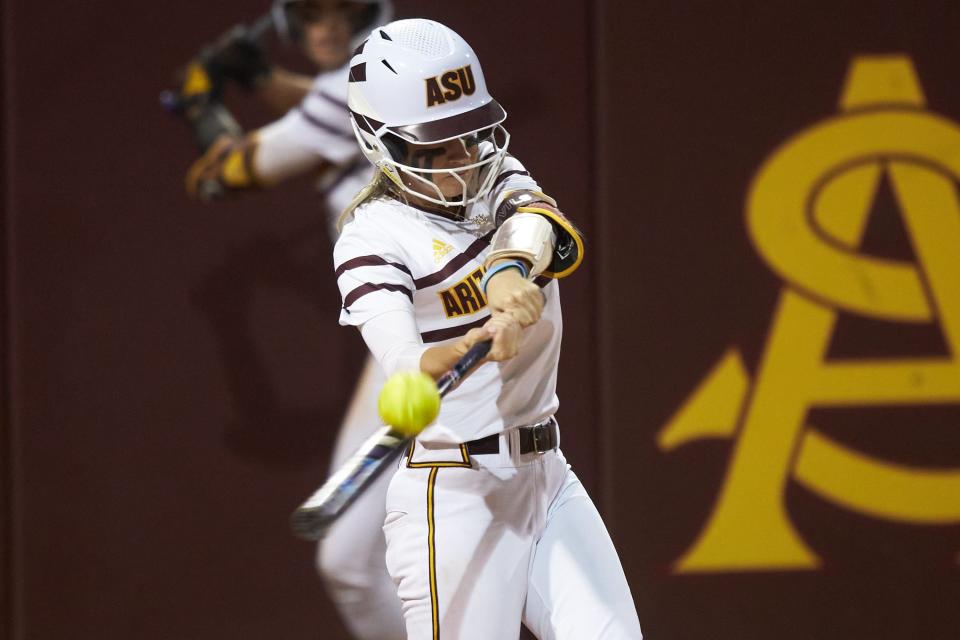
x: 806, y: 213
x: 451, y: 85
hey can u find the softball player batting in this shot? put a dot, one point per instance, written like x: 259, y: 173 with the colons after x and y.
x: 315, y: 135
x: 451, y: 243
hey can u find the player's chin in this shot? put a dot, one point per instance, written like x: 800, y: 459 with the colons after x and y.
x: 452, y: 189
x: 453, y: 195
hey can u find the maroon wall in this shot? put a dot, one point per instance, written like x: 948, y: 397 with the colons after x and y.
x: 177, y: 371
x: 6, y: 516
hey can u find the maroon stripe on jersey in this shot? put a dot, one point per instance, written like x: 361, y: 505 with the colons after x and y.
x: 542, y: 281
x: 369, y: 261
x: 455, y: 264
x: 357, y: 164
x: 331, y: 99
x: 320, y: 124
x: 370, y: 287
x: 506, y: 174
x: 439, y: 335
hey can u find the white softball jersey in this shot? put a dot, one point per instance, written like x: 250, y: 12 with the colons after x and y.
x: 395, y: 258
x: 318, y: 128
x: 478, y: 542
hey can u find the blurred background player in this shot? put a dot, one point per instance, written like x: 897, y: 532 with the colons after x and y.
x: 313, y: 135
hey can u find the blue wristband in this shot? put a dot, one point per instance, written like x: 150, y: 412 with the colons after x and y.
x: 492, y: 271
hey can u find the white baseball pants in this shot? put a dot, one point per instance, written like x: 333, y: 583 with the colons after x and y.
x: 477, y: 544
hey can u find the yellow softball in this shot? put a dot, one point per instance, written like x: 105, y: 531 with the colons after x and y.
x: 409, y: 401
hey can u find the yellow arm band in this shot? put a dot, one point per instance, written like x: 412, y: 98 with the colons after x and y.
x: 237, y: 172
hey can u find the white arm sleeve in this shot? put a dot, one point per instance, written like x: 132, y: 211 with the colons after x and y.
x: 281, y: 153
x: 394, y: 341
x: 317, y: 130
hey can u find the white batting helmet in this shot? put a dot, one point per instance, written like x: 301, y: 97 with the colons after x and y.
x: 418, y: 82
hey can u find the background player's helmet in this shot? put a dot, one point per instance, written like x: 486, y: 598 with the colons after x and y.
x: 288, y: 16
x: 418, y: 82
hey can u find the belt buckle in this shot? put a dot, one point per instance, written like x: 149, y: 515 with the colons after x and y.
x: 542, y: 437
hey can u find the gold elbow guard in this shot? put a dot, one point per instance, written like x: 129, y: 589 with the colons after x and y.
x: 526, y: 236
x: 568, y: 247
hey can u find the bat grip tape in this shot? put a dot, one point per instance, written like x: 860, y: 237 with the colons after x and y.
x: 464, y: 365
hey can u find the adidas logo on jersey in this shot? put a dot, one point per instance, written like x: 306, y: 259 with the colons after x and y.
x: 465, y: 297
x: 440, y: 250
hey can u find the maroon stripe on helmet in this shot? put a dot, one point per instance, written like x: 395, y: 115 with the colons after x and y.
x: 320, y: 124
x: 366, y: 123
x: 369, y: 261
x: 439, y: 335
x: 488, y: 115
x: 455, y: 264
x: 358, y: 72
x: 370, y: 287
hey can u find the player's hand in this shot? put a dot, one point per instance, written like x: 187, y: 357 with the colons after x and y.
x: 509, y: 292
x: 225, y: 168
x: 503, y: 329
x: 207, y: 168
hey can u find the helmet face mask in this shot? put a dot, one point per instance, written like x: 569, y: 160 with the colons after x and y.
x: 415, y: 88
x: 474, y: 161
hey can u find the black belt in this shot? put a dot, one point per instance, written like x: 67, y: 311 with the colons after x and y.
x: 540, y: 438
